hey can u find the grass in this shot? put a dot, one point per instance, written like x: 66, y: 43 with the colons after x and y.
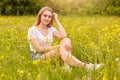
x: 94, y: 39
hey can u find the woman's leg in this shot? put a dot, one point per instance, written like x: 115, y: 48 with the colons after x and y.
x: 65, y: 44
x: 67, y: 57
x: 64, y: 52
x: 51, y: 54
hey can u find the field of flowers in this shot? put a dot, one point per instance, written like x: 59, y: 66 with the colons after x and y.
x: 94, y: 39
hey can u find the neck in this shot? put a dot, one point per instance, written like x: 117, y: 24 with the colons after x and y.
x: 42, y: 26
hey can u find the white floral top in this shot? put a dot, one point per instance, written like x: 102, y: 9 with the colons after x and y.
x: 44, y: 41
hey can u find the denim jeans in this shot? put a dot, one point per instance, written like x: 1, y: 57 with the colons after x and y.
x: 35, y: 56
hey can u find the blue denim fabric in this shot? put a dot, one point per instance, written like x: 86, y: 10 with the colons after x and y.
x: 35, y: 56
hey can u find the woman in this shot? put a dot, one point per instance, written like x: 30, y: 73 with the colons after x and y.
x: 41, y: 38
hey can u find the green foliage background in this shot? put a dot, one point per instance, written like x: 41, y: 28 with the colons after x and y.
x: 79, y: 7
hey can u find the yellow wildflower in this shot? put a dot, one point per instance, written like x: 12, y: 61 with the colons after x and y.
x: 104, y: 78
x: 47, y: 61
x: 91, y: 43
x: 20, y: 71
x: 22, y: 57
x: 2, y: 56
x: 35, y: 62
x: 115, y: 78
x: 3, y: 75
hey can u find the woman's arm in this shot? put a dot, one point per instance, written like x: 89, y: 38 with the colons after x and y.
x: 38, y: 48
x: 61, y: 31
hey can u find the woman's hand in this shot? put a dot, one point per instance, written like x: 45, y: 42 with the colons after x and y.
x: 55, y: 16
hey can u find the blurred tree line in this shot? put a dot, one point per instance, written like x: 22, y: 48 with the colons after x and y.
x: 20, y: 7
x: 79, y: 7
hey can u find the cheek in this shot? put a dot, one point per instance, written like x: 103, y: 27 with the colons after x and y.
x: 50, y: 20
x: 42, y: 18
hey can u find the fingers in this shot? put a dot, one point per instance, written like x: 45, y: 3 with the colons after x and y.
x: 55, y: 15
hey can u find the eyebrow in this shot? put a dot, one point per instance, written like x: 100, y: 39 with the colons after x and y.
x: 47, y: 14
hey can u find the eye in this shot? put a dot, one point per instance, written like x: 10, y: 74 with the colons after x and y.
x: 50, y: 16
x: 45, y: 15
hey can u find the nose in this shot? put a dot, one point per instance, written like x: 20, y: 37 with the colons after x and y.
x: 47, y: 17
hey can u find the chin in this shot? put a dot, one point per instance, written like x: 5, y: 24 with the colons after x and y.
x: 46, y: 23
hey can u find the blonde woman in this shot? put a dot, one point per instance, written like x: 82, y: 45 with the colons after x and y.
x: 41, y: 36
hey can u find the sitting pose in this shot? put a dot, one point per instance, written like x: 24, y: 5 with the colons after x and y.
x: 41, y: 36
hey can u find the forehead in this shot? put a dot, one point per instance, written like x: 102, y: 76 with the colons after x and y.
x: 47, y: 12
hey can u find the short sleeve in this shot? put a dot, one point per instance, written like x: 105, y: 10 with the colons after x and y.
x: 31, y: 34
x: 52, y: 29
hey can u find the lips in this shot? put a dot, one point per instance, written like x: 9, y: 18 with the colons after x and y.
x: 47, y: 21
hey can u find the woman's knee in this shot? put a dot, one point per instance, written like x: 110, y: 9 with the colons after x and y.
x: 66, y: 40
x: 66, y: 43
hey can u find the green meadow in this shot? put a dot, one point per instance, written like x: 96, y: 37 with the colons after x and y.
x: 94, y: 39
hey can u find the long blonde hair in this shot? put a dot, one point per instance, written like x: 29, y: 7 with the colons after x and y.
x: 41, y: 11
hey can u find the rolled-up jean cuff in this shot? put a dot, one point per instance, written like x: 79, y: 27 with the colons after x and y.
x: 35, y: 56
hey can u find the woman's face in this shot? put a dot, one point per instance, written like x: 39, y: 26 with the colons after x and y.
x: 46, y: 17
